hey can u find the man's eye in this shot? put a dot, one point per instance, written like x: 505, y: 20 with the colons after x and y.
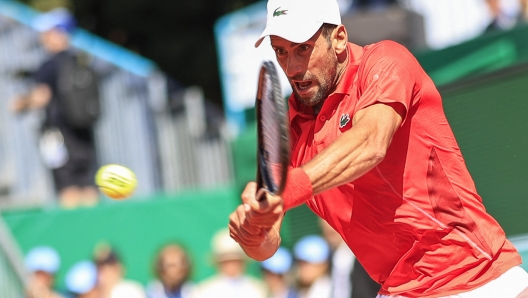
x: 280, y: 51
x: 304, y: 47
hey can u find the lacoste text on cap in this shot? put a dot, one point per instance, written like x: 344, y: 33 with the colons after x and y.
x: 298, y: 20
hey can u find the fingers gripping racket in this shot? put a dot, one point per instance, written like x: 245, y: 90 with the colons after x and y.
x: 273, y: 152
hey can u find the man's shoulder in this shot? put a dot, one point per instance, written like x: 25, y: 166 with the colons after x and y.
x: 387, y: 52
x: 386, y: 47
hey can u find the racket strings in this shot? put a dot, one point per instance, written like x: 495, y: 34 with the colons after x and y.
x: 271, y: 136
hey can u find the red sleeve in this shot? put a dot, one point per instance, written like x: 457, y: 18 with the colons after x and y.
x: 389, y: 73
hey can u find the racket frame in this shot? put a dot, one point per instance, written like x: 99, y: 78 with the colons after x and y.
x: 264, y: 179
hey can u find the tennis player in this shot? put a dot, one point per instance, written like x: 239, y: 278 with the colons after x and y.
x: 373, y: 155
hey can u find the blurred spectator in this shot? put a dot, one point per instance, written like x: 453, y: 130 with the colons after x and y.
x: 67, y: 149
x: 231, y: 280
x: 275, y: 271
x: 43, y: 262
x: 81, y: 280
x: 500, y: 19
x: 349, y: 278
x: 522, y: 17
x: 110, y: 276
x: 341, y: 262
x: 172, y: 267
x: 362, y: 284
x: 371, y: 4
x: 312, y: 254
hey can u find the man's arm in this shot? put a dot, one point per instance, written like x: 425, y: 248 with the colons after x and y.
x: 358, y: 150
x: 36, y: 99
x: 255, y: 225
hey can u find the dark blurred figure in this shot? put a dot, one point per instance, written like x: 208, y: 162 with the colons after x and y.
x: 43, y: 262
x: 522, y: 17
x: 353, y: 6
x: 110, y: 276
x: 81, y: 280
x: 67, y: 149
x: 349, y: 278
x: 231, y: 279
x: 172, y: 267
x: 276, y: 275
x: 372, y: 4
x: 500, y: 19
x: 312, y: 257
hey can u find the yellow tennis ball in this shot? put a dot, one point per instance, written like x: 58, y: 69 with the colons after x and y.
x: 116, y: 181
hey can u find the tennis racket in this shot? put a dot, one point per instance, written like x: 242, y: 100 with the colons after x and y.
x: 273, y: 152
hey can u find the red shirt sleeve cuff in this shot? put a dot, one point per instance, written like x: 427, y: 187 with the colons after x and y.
x: 298, y: 189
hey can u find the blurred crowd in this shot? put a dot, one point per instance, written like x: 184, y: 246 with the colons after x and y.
x: 504, y: 19
x: 317, y: 266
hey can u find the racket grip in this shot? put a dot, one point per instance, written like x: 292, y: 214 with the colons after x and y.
x: 261, y: 194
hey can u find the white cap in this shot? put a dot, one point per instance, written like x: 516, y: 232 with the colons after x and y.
x: 298, y: 20
x: 225, y: 248
x: 59, y: 18
x: 43, y: 258
x: 312, y: 249
x: 82, y: 277
x: 279, y: 263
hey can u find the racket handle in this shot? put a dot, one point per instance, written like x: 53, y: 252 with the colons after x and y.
x: 261, y: 194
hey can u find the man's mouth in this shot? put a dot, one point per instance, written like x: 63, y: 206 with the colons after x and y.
x: 303, y: 85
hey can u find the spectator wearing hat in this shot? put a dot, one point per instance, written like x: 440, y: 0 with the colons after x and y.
x: 312, y: 255
x: 43, y: 262
x: 522, y: 15
x: 81, y: 280
x: 110, y: 275
x: 501, y: 19
x: 275, y: 271
x: 172, y: 268
x: 231, y: 279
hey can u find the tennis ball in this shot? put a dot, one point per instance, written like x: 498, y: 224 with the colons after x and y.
x: 116, y: 181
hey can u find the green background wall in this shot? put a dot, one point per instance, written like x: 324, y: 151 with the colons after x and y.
x: 488, y: 117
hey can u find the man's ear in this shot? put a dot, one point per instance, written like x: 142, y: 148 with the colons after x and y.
x: 340, y: 39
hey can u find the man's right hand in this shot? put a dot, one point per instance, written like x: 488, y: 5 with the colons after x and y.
x: 255, y: 224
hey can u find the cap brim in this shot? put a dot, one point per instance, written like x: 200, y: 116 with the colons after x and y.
x: 297, y: 34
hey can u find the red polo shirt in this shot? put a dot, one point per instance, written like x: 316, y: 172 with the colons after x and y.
x: 415, y: 221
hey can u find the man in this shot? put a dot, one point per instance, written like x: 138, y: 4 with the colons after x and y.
x: 500, y: 19
x: 231, y: 279
x: 373, y: 155
x: 349, y: 278
x: 67, y: 150
x: 276, y: 275
x: 111, y: 281
x: 81, y: 280
x: 312, y: 255
x: 172, y: 268
x: 43, y: 263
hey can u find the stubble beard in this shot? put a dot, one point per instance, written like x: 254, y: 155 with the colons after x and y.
x: 326, y: 84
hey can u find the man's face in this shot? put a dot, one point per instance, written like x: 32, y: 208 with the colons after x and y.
x: 174, y: 268
x: 54, y: 40
x: 311, y: 67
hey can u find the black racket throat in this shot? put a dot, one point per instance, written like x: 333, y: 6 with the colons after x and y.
x: 273, y: 132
